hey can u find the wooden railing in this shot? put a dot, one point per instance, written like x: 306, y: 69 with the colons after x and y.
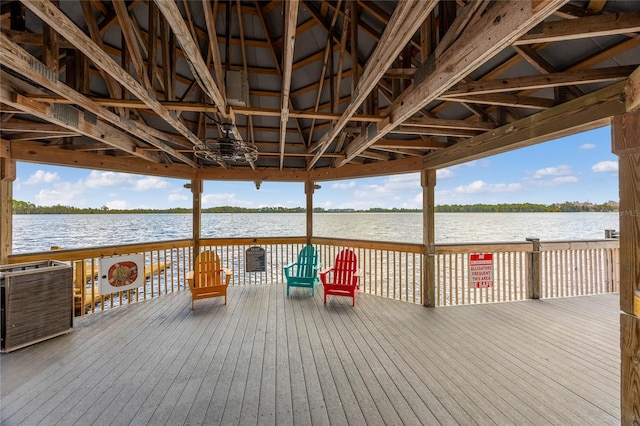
x: 166, y: 264
x: 576, y: 268
x: 568, y: 268
x: 392, y: 270
x: 453, y: 283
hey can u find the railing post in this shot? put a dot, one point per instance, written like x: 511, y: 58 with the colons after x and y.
x: 534, y: 267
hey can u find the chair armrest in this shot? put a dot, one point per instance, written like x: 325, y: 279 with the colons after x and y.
x: 291, y: 265
x: 227, y: 271
x: 358, y: 272
x: 189, y: 278
x: 326, y: 271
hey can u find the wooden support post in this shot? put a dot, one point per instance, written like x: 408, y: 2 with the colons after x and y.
x: 534, y: 264
x: 7, y: 176
x: 428, y: 181
x: 309, y: 189
x: 626, y: 145
x: 196, y: 190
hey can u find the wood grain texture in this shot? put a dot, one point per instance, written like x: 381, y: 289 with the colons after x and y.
x: 630, y: 374
x: 271, y: 359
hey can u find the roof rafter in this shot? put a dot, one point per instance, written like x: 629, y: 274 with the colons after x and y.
x: 290, y: 21
x: 485, y: 36
x: 587, y: 112
x: 590, y: 26
x: 20, y: 61
x: 395, y: 37
x: 65, y: 27
x: 541, y: 81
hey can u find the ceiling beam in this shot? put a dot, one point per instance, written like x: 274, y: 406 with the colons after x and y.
x: 204, y: 107
x: 585, y: 113
x: 18, y: 59
x: 588, y: 27
x: 35, y: 152
x: 55, y: 18
x: 192, y: 54
x: 290, y: 21
x: 405, y: 21
x: 501, y: 99
x: 210, y: 20
x: 536, y: 82
x: 485, y: 36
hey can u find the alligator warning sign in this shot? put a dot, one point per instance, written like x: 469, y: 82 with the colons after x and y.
x: 481, y: 270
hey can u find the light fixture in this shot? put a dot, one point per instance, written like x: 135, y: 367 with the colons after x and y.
x: 227, y: 149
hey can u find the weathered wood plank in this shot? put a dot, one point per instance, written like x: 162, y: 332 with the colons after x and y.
x: 268, y: 358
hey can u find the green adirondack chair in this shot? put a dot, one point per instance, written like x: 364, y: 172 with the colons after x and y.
x: 304, y: 272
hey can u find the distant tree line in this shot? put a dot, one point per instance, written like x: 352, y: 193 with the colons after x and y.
x: 527, y: 207
x: 24, y: 207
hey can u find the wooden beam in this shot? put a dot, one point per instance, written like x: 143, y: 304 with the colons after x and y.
x: 406, y: 20
x: 7, y: 176
x: 192, y: 54
x: 21, y: 61
x: 65, y: 27
x: 409, y: 144
x: 632, y: 91
x: 502, y: 99
x: 485, y: 36
x: 100, y: 131
x: 581, y: 114
x: 127, y: 27
x: 626, y: 145
x: 34, y: 152
x: 372, y: 169
x: 449, y: 124
x: 537, y: 82
x: 210, y: 20
x: 588, y: 27
x: 290, y: 21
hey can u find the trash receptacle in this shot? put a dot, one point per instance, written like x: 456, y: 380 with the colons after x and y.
x: 36, y: 301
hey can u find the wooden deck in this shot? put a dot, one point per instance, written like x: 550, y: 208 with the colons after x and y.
x: 270, y: 359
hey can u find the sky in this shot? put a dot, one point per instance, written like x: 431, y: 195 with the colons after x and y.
x: 574, y: 168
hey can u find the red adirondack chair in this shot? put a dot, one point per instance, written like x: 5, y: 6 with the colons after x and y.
x: 342, y: 278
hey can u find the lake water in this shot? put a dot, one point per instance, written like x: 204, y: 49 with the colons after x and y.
x: 40, y: 232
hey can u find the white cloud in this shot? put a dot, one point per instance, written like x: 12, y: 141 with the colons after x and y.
x: 563, y: 179
x: 414, y: 203
x: 41, y: 177
x: 587, y: 146
x: 562, y: 170
x: 445, y: 173
x: 177, y: 197
x: 148, y: 183
x: 410, y: 181
x: 117, y: 204
x: 481, y: 186
x: 605, y: 166
x: 98, y: 179
x: 213, y: 200
x: 345, y: 185
x: 65, y: 194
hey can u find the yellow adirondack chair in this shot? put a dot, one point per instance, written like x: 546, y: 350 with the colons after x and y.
x: 209, y: 279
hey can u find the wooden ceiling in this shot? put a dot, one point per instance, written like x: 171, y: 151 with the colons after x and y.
x: 336, y: 89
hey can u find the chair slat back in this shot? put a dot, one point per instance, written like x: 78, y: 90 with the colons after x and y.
x: 208, y: 271
x: 345, y: 266
x: 307, y: 262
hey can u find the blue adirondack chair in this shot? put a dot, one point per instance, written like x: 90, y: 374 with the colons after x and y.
x: 304, y: 272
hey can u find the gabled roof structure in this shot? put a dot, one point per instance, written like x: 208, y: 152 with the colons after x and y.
x: 322, y: 89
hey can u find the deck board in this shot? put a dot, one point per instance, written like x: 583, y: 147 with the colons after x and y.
x: 266, y: 358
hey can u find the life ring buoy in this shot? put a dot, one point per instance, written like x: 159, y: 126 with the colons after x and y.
x: 122, y: 274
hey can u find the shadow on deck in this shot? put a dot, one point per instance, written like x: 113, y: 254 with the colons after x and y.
x: 270, y: 359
